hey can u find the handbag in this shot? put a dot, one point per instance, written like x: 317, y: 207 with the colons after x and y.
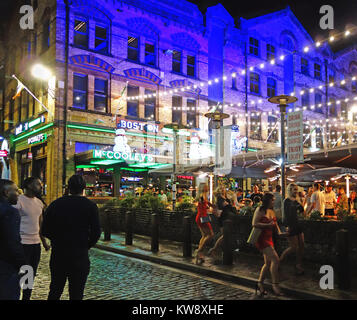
x: 205, y: 219
x: 254, y: 236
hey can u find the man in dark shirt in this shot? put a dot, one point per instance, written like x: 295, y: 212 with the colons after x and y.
x: 256, y: 193
x: 72, y: 224
x: 12, y: 256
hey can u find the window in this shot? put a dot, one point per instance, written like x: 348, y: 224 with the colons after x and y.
x: 305, y: 98
x: 344, y: 111
x: 234, y: 83
x: 133, y: 49
x: 46, y: 35
x: 150, y: 105
x: 81, y: 33
x: 318, y: 101
x: 80, y: 90
x: 255, y: 128
x: 332, y: 107
x: 288, y: 44
x: 11, y: 113
x: 332, y: 77
x: 273, y: 135
x: 176, y: 61
x: 191, y: 113
x: 254, y: 83
x: 270, y: 52
x: 177, y: 109
x: 191, y: 66
x: 101, y: 40
x: 304, y: 66
x: 150, y: 54
x: 307, y: 136
x: 317, y: 71
x: 254, y: 46
x: 100, y: 95
x: 132, y: 107
x: 271, y: 85
x: 354, y: 86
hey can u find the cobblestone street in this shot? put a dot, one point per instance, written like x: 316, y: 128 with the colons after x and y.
x: 117, y: 277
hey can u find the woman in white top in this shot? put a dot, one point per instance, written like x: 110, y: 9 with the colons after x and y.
x: 31, y: 208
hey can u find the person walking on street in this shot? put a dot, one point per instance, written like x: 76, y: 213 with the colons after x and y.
x: 264, y: 218
x: 330, y: 201
x: 31, y: 208
x: 12, y: 256
x: 72, y: 224
x: 317, y: 201
x: 292, y: 209
x: 226, y: 207
x: 203, y: 223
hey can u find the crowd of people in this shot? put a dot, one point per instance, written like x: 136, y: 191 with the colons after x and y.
x: 268, y: 207
x: 71, y: 223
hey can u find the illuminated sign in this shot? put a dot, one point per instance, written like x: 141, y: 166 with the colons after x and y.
x: 112, y: 155
x: 133, y: 179
x: 185, y: 177
x: 23, y: 127
x: 39, y: 138
x: 135, y: 125
x: 3, y: 153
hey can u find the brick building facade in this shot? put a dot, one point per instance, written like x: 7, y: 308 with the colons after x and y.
x: 176, y: 64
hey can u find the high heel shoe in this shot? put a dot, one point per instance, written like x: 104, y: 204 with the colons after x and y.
x: 262, y: 293
x: 277, y: 292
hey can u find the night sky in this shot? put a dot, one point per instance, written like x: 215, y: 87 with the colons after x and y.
x: 307, y: 11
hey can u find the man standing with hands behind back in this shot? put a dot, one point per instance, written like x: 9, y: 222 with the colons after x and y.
x: 72, y: 224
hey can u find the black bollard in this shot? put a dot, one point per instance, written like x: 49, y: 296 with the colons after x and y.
x: 343, y: 261
x: 154, y: 232
x: 187, y: 241
x: 107, y: 227
x: 227, y: 243
x: 129, y: 228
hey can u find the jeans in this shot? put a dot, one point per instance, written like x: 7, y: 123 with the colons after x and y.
x: 74, y: 269
x: 9, y: 286
x: 32, y: 256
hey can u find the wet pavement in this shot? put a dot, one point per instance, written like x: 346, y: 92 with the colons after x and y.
x: 117, y: 277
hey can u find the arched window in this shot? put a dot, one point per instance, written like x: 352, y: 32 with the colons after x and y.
x: 288, y: 44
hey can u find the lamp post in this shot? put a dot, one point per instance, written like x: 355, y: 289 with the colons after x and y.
x: 282, y: 101
x: 216, y: 117
x: 175, y: 127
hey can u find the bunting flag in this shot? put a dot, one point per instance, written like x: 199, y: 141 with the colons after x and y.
x: 19, y: 88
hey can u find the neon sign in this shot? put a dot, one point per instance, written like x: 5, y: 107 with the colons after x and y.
x: 39, y: 138
x: 3, y: 153
x: 134, y: 125
x: 23, y: 127
x: 112, y: 155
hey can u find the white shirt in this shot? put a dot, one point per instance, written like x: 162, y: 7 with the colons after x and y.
x: 319, y: 200
x: 30, y: 210
x: 329, y: 199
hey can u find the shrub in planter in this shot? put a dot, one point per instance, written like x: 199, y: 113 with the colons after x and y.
x: 128, y: 202
x: 149, y: 201
x: 110, y: 204
x: 341, y: 214
x: 187, y: 204
x: 317, y: 216
x: 350, y: 218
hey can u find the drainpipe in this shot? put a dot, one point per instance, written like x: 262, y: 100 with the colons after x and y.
x: 65, y: 106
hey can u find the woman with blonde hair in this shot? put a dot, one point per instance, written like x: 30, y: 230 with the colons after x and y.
x: 292, y: 209
x: 203, y: 221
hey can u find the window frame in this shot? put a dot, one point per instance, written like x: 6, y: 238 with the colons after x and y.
x: 317, y: 73
x: 80, y: 91
x: 147, y: 53
x: 271, y: 52
x: 101, y: 94
x: 150, y: 103
x: 130, y: 48
x: 177, y: 112
x: 253, y: 83
x: 130, y: 103
x: 254, y: 46
x: 191, y: 66
x: 190, y: 113
x: 304, y: 68
x: 107, y: 40
x: 81, y: 33
x: 270, y: 88
x: 175, y: 60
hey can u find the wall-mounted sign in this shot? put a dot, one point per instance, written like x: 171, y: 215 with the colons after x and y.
x: 237, y: 143
x: 23, y: 127
x: 185, y: 177
x: 39, y: 138
x: 29, y: 155
x: 135, y: 125
x: 132, y: 179
x: 3, y: 153
x: 295, y: 137
x: 112, y: 155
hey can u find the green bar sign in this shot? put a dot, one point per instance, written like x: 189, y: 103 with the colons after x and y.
x: 36, y: 139
x: 112, y: 155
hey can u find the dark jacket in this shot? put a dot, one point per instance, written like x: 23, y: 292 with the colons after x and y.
x: 72, y: 225
x: 12, y: 256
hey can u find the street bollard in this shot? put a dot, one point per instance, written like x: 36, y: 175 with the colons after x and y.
x: 154, y: 232
x: 187, y: 241
x: 343, y: 261
x: 129, y: 228
x: 227, y: 243
x: 107, y: 227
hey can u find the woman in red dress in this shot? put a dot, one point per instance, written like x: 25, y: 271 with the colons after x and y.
x: 202, y: 221
x: 264, y: 219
